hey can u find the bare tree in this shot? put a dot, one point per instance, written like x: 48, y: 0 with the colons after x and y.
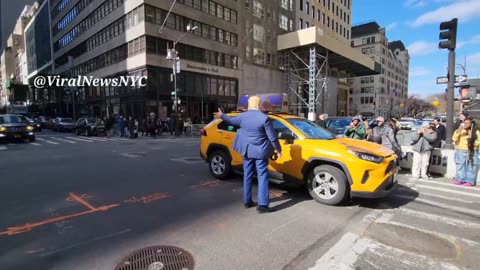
x: 418, y: 107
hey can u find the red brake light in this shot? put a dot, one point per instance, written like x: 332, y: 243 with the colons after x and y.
x: 203, y: 132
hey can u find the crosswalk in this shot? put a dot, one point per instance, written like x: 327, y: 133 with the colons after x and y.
x: 424, y: 225
x: 64, y: 140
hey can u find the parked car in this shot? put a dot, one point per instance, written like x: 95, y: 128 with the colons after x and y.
x: 44, y: 121
x: 407, y: 123
x: 16, y: 127
x: 338, y: 125
x: 34, y: 123
x: 64, y: 124
x: 89, y: 127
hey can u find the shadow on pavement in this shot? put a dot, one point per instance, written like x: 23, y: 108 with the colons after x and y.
x: 401, y: 196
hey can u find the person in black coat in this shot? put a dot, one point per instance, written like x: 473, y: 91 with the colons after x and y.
x: 441, y: 133
x: 322, y: 120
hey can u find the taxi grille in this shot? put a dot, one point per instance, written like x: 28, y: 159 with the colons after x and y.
x: 391, y: 166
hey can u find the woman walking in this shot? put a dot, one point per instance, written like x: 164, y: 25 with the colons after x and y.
x: 467, y: 140
x: 422, y: 150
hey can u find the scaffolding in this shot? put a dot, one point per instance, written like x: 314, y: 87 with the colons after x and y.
x: 307, y: 58
x: 306, y: 79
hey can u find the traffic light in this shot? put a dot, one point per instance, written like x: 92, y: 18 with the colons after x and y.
x: 448, y: 34
x: 467, y: 92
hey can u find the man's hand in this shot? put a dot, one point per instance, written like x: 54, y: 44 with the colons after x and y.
x: 420, y: 131
x: 219, y: 114
x: 279, y: 155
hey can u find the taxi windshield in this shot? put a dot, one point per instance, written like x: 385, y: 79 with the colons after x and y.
x: 310, y: 129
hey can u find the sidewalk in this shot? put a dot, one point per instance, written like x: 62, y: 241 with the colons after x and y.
x: 405, y: 175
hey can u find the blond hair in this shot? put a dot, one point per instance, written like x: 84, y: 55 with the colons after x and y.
x: 254, y: 103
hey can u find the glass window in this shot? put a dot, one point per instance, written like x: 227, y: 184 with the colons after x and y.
x: 310, y: 129
x: 280, y: 127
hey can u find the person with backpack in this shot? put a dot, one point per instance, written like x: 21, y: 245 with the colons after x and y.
x: 422, y: 146
x: 356, y: 130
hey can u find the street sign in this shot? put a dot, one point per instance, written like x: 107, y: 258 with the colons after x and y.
x: 458, y: 79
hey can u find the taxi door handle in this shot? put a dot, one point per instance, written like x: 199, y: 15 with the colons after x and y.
x: 228, y: 137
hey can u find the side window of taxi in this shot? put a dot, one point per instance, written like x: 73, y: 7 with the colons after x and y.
x: 224, y: 126
x: 280, y: 127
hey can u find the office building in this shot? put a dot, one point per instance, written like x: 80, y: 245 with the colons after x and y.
x: 13, y: 62
x: 384, y: 94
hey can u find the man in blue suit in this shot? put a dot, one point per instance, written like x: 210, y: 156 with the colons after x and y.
x: 256, y: 141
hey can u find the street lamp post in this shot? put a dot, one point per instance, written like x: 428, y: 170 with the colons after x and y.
x: 172, y: 54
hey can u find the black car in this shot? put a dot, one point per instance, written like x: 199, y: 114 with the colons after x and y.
x: 43, y: 121
x: 16, y: 127
x: 35, y: 124
x: 64, y: 124
x: 89, y: 127
x: 338, y: 125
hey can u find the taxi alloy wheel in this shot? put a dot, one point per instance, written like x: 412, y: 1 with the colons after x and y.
x: 220, y: 166
x: 327, y: 185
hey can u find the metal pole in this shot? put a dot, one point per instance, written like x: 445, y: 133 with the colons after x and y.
x: 450, y: 98
x: 202, y: 107
x: 177, y: 131
x: 73, y: 103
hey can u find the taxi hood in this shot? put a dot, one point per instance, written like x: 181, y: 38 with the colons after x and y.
x: 366, y: 147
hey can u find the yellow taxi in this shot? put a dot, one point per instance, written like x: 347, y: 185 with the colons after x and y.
x: 333, y: 169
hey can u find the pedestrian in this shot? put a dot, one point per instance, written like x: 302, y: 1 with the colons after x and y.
x: 383, y: 134
x: 135, y: 128
x: 171, y: 125
x: 393, y: 123
x: 461, y: 117
x: 144, y: 127
x: 441, y: 133
x: 159, y: 127
x: 422, y: 148
x: 256, y: 141
x: 322, y: 120
x: 109, y: 126
x: 131, y: 127
x: 467, y: 140
x: 121, y: 124
x: 356, y: 130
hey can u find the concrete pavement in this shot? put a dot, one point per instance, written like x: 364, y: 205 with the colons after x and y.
x: 87, y: 204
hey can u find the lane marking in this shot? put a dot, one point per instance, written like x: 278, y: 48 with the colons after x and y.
x: 36, y: 144
x: 208, y: 184
x: 449, y: 191
x: 47, y: 141
x: 97, y: 139
x: 439, y: 204
x: 63, y: 140
x: 442, y: 184
x: 78, y: 139
x: 3, y: 148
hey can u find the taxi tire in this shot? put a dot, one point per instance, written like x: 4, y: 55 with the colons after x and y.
x: 228, y: 167
x: 339, y: 176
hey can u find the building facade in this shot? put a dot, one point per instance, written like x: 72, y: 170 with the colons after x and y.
x: 13, y: 62
x: 384, y: 94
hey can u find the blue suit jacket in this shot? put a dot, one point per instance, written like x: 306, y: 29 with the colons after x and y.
x: 256, y: 137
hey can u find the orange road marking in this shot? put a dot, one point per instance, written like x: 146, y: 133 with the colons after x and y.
x: 81, y: 201
x: 208, y: 183
x: 148, y: 199
x: 29, y: 226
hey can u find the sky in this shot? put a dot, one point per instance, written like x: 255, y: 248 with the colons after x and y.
x: 416, y: 23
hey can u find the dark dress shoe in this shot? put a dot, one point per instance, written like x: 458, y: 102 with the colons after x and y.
x: 249, y: 204
x: 264, y: 209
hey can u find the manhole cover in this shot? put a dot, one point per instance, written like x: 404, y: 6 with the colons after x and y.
x: 157, y: 258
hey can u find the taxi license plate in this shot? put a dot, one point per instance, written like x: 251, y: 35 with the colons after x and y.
x: 394, y: 180
x: 17, y: 136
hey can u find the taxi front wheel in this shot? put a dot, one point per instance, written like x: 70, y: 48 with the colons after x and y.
x: 220, y: 166
x: 327, y: 184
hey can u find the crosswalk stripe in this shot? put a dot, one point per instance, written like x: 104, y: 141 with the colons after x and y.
x: 97, y: 139
x: 78, y: 139
x: 437, y: 218
x: 449, y: 191
x: 47, y: 141
x: 439, y: 204
x: 36, y: 144
x: 436, y: 195
x: 442, y: 184
x: 63, y: 140
x: 3, y: 148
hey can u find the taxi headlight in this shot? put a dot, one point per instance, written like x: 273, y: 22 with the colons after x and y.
x: 367, y: 157
x: 2, y: 128
x: 29, y: 128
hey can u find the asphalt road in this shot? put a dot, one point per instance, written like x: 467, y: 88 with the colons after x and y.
x: 71, y: 202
